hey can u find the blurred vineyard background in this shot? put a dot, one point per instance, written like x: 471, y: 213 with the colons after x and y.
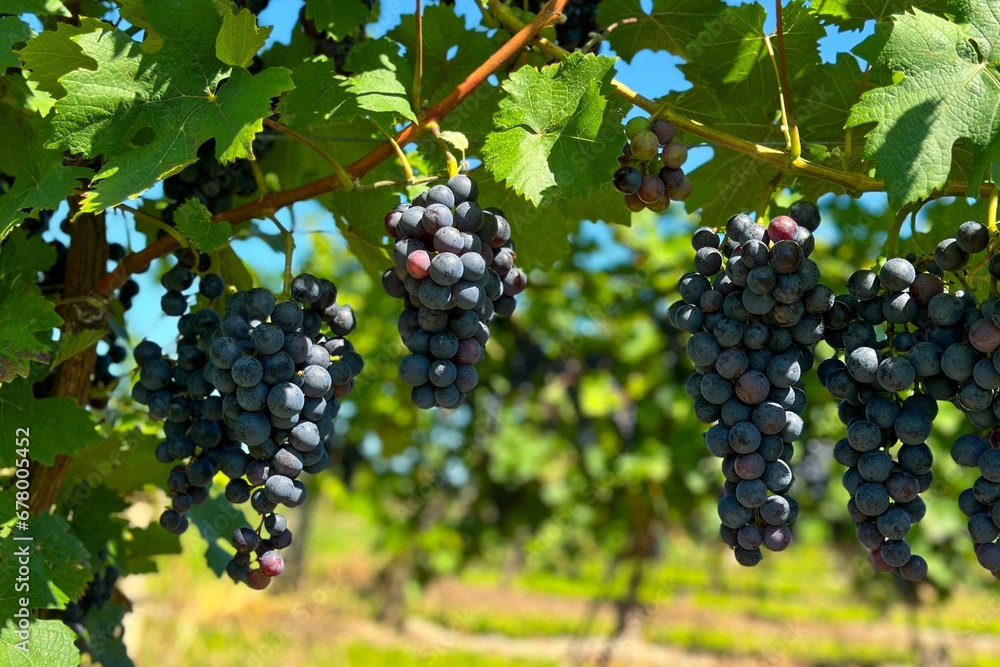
x: 566, y: 515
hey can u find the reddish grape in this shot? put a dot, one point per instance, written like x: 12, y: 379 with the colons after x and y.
x: 985, y: 336
x: 925, y: 287
x: 418, y: 264
x: 681, y: 192
x: 877, y: 561
x: 651, y: 190
x: 633, y: 203
x: 659, y: 206
x: 663, y: 129
x: 257, y: 580
x: 782, y: 228
x: 271, y: 563
x: 995, y: 438
x: 674, y: 155
x: 392, y: 222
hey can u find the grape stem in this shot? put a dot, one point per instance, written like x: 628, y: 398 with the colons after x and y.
x: 785, y: 86
x: 289, y: 251
x: 991, y: 214
x: 277, y: 200
x: 407, y: 169
x: 176, y: 235
x: 452, y: 162
x: 598, y: 37
x: 892, y: 243
x: 345, y: 180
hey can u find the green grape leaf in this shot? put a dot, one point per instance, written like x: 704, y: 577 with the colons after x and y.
x: 194, y: 221
x: 122, y: 462
x: 359, y: 216
x: 322, y: 97
x: 12, y: 31
x: 823, y: 101
x: 21, y: 340
x: 853, y: 14
x: 52, y: 54
x: 948, y: 92
x: 97, y: 516
x: 49, y: 644
x: 337, y: 18
x: 240, y: 39
x: 58, y: 564
x: 147, y: 543
x: 58, y: 425
x: 39, y: 7
x: 149, y: 111
x: 671, y: 25
x: 451, y: 51
x: 41, y: 180
x: 731, y: 55
x: 556, y: 129
x: 541, y: 232
x: 71, y: 345
x: 216, y: 520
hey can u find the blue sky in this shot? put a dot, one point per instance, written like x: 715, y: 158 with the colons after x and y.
x: 652, y: 74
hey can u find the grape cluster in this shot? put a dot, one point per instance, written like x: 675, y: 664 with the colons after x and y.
x: 454, y: 270
x: 254, y: 395
x: 651, y: 173
x: 213, y: 183
x: 753, y: 328
x: 908, y: 342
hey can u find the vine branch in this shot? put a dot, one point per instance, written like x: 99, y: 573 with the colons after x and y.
x: 274, y: 201
x: 795, y: 144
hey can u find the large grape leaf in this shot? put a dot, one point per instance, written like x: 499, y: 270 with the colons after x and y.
x: 949, y: 90
x: 731, y: 55
x: 670, y: 26
x: 29, y: 313
x: 122, y: 462
x: 557, y: 129
x: 58, y: 425
x: 322, y: 97
x: 51, y: 645
x: 148, y: 111
x: 52, y: 54
x: 58, y: 564
x: 853, y: 14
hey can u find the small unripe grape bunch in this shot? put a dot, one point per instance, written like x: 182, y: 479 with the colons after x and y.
x: 651, y: 174
x: 454, y: 269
